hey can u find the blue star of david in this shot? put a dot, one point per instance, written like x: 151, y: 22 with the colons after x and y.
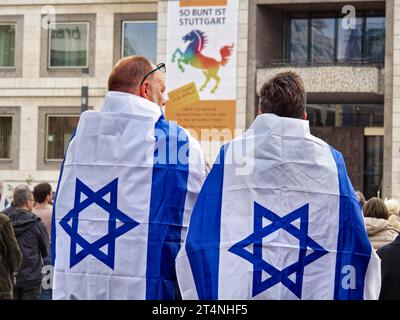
x: 113, y: 232
x: 260, y: 265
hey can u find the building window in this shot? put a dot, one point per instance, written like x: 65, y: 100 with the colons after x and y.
x: 345, y: 115
x: 139, y: 38
x: 7, y: 45
x: 319, y: 38
x: 5, y: 137
x: 298, y: 42
x: 375, y: 38
x: 68, y: 45
x: 322, y: 40
x: 59, y: 131
x: 373, y: 165
x: 350, y: 42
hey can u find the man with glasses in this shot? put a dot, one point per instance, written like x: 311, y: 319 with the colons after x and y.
x: 33, y: 242
x: 126, y: 191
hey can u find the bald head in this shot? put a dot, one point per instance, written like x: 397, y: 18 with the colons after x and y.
x: 127, y: 74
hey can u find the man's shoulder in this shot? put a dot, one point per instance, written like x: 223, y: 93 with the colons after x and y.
x: 393, y: 246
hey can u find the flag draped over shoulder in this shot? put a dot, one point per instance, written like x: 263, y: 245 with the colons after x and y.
x: 125, y: 194
x: 277, y: 218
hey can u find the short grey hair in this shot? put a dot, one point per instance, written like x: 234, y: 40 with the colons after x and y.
x: 22, y: 195
x: 1, y: 187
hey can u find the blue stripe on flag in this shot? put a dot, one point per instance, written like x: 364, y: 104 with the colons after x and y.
x: 167, y: 204
x: 203, y: 239
x: 354, y: 248
x: 53, y: 216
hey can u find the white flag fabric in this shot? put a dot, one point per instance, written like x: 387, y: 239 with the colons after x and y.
x: 287, y: 227
x: 126, y: 190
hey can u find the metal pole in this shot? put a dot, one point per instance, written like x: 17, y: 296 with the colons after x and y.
x: 84, y: 90
x: 85, y: 99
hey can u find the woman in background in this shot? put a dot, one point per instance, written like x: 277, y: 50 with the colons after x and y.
x: 379, y: 230
x: 393, y: 207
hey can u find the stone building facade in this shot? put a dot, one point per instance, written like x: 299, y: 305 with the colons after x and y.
x: 39, y: 95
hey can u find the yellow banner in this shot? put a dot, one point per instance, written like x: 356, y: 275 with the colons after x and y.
x: 205, y: 114
x: 183, y: 96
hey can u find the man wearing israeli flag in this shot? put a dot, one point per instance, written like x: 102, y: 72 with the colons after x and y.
x: 127, y: 187
x: 277, y: 217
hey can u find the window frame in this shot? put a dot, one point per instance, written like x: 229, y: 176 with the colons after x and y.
x: 309, y: 15
x: 322, y: 15
x: 365, y: 52
x: 15, y: 45
x: 12, y: 136
x: 44, y: 71
x: 123, y: 31
x: 55, y: 115
x: 16, y: 70
x: 43, y: 111
x: 134, y: 16
x: 87, y: 46
x: 15, y: 113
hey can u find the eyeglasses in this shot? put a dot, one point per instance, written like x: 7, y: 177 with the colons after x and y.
x: 160, y: 66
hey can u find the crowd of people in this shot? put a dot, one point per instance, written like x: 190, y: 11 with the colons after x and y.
x: 312, y: 189
x: 25, y: 233
x: 383, y: 226
x: 25, y: 227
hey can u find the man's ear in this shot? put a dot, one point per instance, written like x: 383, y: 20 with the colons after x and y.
x: 144, y: 90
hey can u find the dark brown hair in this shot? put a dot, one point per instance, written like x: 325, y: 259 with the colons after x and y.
x: 284, y: 95
x: 41, y: 191
x: 127, y: 74
x: 375, y: 208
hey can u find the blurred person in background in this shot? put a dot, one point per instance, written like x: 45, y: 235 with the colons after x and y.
x: 390, y: 270
x: 10, y: 257
x: 11, y: 208
x: 33, y: 242
x: 393, y: 207
x: 361, y: 198
x: 4, y: 203
x: 43, y: 195
x: 53, y: 193
x: 376, y: 216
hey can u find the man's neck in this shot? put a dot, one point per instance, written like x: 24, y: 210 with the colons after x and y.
x: 43, y: 205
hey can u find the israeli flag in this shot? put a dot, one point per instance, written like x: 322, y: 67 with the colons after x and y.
x: 277, y: 218
x: 125, y: 194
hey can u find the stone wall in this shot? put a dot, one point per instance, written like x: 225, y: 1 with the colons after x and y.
x: 31, y: 91
x: 331, y: 79
x: 395, y: 183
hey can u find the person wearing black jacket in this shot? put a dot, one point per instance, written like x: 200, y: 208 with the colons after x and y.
x: 390, y: 261
x: 33, y: 242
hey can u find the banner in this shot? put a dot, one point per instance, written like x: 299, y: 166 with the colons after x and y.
x: 201, y: 63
